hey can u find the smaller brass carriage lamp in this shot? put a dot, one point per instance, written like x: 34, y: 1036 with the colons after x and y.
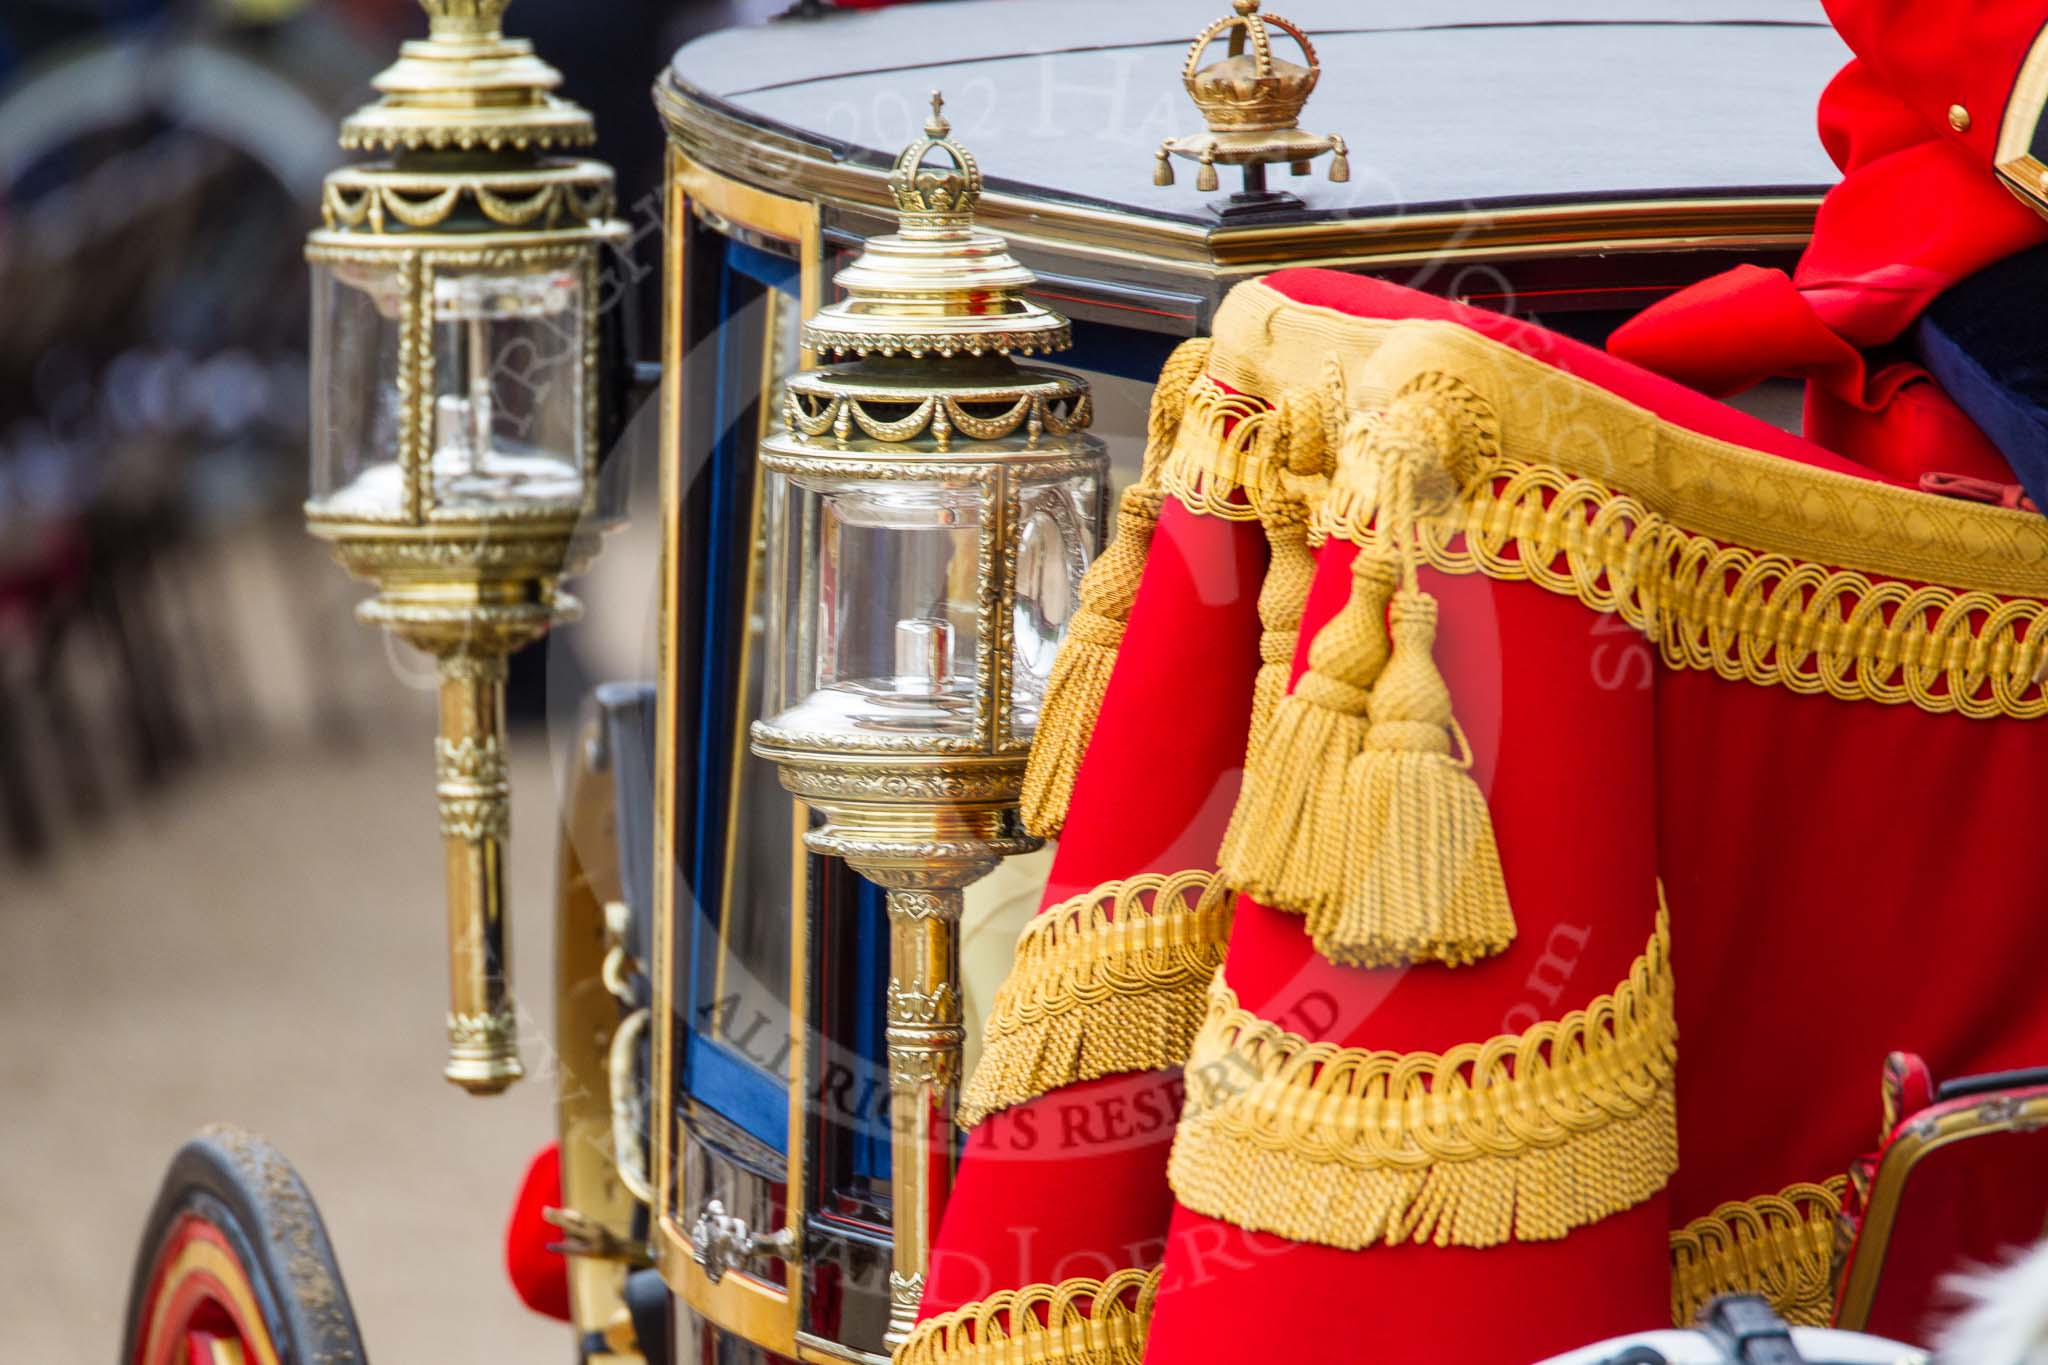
x: 455, y: 417
x: 932, y: 507
x: 1252, y: 101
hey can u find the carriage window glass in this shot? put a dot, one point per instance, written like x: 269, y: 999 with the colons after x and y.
x: 734, y: 843
x: 751, y: 975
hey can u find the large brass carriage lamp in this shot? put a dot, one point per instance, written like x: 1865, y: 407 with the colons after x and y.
x: 455, y: 404
x: 932, y: 506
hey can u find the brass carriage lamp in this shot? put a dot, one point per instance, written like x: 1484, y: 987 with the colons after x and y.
x: 455, y: 418
x: 932, y: 506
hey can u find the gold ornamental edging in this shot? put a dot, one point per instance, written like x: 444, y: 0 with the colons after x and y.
x: 1519, y: 1138
x: 1108, y: 982
x: 1778, y: 1245
x: 1732, y: 561
x: 1078, y: 1322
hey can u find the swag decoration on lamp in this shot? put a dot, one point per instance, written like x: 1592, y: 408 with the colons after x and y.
x: 932, y: 506
x: 455, y: 421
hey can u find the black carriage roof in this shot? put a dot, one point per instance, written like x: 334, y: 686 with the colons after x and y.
x: 1596, y: 153
x: 1459, y: 104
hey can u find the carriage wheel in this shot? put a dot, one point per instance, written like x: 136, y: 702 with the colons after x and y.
x: 235, y: 1267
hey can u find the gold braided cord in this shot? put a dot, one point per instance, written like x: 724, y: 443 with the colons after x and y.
x: 1109, y: 982
x: 1075, y: 1322
x: 1778, y: 1245
x: 1267, y: 344
x: 1520, y: 1138
x: 1241, y: 458
x: 1744, y: 615
x: 1212, y: 468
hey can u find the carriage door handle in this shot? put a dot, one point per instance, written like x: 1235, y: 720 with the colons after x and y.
x: 720, y: 1242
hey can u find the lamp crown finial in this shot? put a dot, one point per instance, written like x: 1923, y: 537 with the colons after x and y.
x: 936, y: 196
x: 464, y: 18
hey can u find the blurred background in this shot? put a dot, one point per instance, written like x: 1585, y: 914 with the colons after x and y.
x: 220, y: 878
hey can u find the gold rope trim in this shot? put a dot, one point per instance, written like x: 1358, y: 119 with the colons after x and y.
x: 1778, y: 1245
x: 1520, y: 1138
x: 1746, y: 565
x: 1108, y: 982
x: 1079, y: 1322
x: 1746, y: 616
x: 1267, y: 344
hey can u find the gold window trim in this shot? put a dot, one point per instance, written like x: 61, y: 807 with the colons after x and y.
x: 764, y: 1313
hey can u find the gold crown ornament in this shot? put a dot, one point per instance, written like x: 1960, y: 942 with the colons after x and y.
x: 1252, y: 101
x: 938, y: 285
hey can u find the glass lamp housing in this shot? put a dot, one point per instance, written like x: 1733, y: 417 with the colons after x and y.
x: 922, y: 596
x: 446, y: 390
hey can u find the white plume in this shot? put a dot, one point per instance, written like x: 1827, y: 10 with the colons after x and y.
x: 2004, y: 1318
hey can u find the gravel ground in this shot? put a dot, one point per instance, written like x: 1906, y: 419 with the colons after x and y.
x: 263, y: 944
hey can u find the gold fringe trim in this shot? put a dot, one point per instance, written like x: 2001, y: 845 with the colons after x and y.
x: 1778, y: 1245
x: 1240, y: 458
x: 1075, y: 1322
x: 1109, y: 982
x: 1087, y: 657
x: 1266, y: 344
x: 1745, y: 616
x: 1520, y: 1138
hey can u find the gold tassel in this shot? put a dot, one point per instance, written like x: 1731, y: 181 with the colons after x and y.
x: 1422, y: 879
x: 1290, y: 568
x: 1294, y: 447
x: 1285, y: 843
x: 1087, y: 657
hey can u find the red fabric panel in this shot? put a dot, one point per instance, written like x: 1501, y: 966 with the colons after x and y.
x: 1556, y: 702
x: 539, y: 1277
x: 1161, y: 774
x: 1229, y: 1295
x: 1074, y: 1182
x: 1850, y: 868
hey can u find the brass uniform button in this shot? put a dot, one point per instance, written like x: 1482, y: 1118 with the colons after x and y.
x: 1959, y: 118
